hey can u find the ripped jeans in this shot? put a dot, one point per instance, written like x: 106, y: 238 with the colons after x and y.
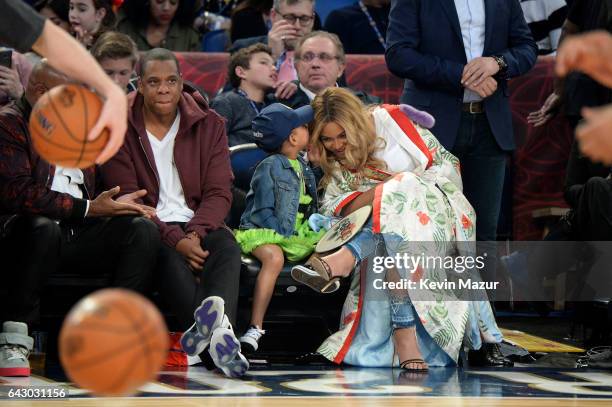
x: 366, y: 244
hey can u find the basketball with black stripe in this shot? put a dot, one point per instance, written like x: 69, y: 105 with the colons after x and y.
x: 112, y: 342
x: 59, y: 125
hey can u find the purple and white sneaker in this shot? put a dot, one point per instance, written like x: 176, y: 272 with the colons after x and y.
x: 208, y: 316
x: 225, y: 352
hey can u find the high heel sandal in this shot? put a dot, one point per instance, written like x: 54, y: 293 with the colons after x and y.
x: 316, y: 274
x: 404, y: 365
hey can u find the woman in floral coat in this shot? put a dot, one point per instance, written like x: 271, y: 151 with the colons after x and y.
x: 377, y: 156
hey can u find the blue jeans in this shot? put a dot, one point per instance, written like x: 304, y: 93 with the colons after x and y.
x: 363, y: 245
x: 483, y: 166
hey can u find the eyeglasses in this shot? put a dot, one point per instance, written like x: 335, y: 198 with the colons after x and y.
x: 291, y: 18
x: 323, y: 57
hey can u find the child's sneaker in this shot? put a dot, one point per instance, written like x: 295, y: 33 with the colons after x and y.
x: 250, y: 339
x: 15, y: 346
x: 225, y: 352
x: 208, y: 316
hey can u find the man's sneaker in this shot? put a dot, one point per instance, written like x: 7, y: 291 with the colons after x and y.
x: 208, y: 316
x: 250, y: 339
x: 15, y: 346
x: 225, y: 352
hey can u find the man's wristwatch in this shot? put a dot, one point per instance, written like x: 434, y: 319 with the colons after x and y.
x: 503, y: 67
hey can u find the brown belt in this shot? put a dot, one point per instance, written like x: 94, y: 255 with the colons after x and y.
x: 473, y: 107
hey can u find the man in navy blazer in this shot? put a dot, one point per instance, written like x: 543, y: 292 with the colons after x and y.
x: 456, y: 57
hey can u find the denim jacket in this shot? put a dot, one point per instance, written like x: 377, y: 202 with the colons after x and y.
x: 273, y: 200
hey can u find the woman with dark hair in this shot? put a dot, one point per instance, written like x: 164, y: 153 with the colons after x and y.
x: 91, y: 18
x: 250, y: 18
x: 160, y: 24
x: 56, y: 11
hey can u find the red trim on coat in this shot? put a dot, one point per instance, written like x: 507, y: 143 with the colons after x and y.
x: 347, y: 343
x: 376, y: 207
x: 408, y: 128
x: 345, y: 202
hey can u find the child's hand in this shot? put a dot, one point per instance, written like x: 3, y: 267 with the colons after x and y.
x: 316, y: 221
x: 313, y: 155
x: 284, y: 90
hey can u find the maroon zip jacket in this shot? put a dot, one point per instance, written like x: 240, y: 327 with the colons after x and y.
x: 201, y: 156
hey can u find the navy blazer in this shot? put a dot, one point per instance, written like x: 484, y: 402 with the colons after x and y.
x: 424, y: 46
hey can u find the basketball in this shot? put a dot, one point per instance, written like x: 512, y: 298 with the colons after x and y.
x: 60, y: 122
x: 112, y: 342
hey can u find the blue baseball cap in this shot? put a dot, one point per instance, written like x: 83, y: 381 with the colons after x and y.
x: 273, y: 125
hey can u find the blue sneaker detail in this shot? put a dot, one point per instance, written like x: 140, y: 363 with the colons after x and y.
x: 208, y: 316
x: 225, y: 352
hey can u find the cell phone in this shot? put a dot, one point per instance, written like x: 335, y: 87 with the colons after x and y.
x: 6, y: 58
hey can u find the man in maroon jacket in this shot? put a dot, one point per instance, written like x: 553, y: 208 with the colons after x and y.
x: 51, y: 217
x: 176, y: 149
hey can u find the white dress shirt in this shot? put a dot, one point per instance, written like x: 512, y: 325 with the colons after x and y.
x: 67, y: 181
x: 472, y: 22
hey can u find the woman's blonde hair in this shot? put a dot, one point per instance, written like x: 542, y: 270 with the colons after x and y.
x: 346, y: 110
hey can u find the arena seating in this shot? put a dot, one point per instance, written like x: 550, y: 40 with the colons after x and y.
x: 538, y: 167
x: 538, y: 171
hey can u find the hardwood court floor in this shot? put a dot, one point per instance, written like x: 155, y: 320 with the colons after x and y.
x: 313, y: 402
x: 293, y: 386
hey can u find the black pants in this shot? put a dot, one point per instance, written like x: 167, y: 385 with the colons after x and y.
x: 36, y: 246
x: 181, y: 292
x: 593, y: 211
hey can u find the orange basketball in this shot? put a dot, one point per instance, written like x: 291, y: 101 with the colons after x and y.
x: 60, y: 122
x: 112, y: 342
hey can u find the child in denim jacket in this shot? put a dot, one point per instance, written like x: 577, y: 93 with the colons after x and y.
x: 283, y: 195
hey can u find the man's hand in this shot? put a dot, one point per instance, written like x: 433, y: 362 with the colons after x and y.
x: 590, y: 53
x: 190, y: 248
x: 134, y: 197
x: 105, y: 205
x: 546, y: 112
x: 284, y: 90
x: 10, y: 83
x: 114, y: 118
x: 594, y: 133
x: 278, y: 34
x: 477, y: 70
x: 486, y: 87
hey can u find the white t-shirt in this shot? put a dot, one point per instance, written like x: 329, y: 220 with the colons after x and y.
x: 171, y: 206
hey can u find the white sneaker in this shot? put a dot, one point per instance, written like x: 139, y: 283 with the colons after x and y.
x: 15, y: 347
x: 250, y: 339
x: 208, y: 316
x: 225, y: 352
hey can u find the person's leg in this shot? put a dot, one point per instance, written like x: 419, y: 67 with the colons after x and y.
x: 176, y: 284
x: 272, y: 261
x: 483, y: 166
x: 31, y: 251
x: 343, y: 261
x: 404, y: 334
x: 594, y: 211
x: 125, y: 245
x: 221, y: 273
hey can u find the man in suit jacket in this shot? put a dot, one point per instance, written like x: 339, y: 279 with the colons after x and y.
x: 320, y: 61
x: 456, y: 57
